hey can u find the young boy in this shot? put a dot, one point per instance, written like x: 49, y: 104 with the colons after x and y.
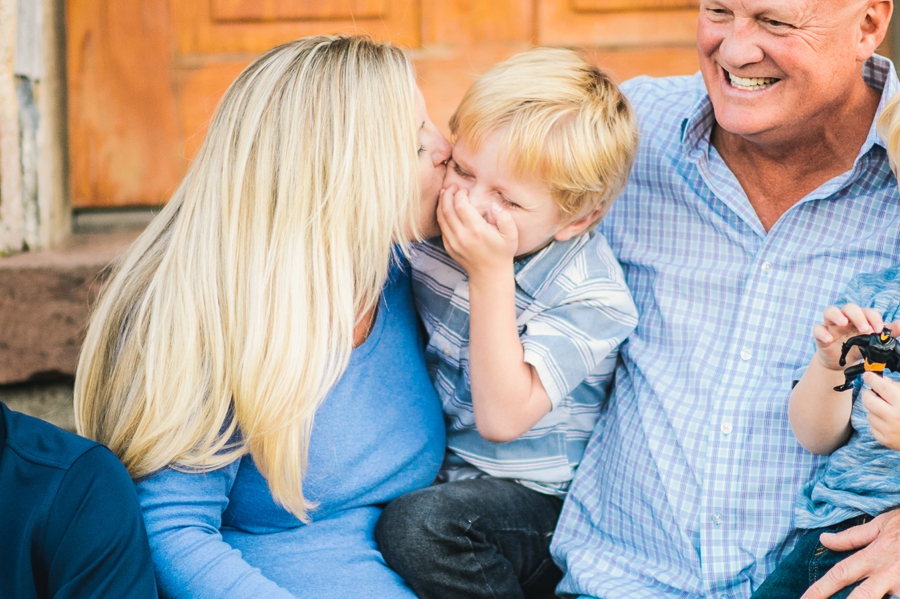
x: 859, y: 429
x: 525, y: 307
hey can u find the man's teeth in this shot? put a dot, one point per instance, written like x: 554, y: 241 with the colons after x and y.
x: 751, y: 83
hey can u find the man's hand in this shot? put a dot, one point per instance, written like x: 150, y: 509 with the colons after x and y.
x: 878, y: 562
x: 477, y: 245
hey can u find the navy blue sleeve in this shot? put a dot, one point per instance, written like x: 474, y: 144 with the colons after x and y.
x: 96, y: 544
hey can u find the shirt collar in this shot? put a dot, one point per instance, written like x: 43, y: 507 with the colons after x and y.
x: 538, y: 271
x: 878, y: 72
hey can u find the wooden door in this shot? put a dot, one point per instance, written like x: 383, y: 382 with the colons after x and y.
x: 145, y: 75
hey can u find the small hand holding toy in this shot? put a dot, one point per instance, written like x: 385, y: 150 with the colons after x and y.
x: 880, y: 351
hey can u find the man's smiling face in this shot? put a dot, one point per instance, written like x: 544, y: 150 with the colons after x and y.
x: 774, y: 67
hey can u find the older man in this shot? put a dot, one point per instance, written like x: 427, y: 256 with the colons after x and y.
x: 760, y: 189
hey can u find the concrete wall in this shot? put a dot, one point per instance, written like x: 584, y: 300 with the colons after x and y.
x: 34, y: 210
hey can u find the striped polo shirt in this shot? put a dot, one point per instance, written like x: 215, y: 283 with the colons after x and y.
x: 573, y: 311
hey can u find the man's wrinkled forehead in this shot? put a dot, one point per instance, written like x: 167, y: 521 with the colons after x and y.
x: 795, y: 12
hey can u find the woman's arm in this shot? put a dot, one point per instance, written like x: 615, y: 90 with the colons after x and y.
x: 183, y: 515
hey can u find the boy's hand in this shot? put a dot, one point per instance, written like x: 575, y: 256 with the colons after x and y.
x: 478, y: 246
x: 883, y: 403
x: 839, y: 325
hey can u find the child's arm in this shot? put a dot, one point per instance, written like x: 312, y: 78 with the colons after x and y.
x: 507, y: 395
x: 819, y: 415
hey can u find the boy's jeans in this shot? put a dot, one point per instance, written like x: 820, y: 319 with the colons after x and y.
x: 807, y: 563
x: 483, y: 537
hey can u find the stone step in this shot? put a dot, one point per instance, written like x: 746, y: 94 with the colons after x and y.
x: 45, y: 302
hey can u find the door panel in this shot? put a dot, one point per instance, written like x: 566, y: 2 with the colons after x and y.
x: 631, y: 5
x: 287, y: 10
x: 462, y: 25
x: 198, y: 32
x: 124, y: 135
x: 613, y: 23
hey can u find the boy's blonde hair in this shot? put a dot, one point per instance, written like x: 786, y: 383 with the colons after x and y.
x: 889, y: 128
x: 224, y: 327
x: 562, y: 121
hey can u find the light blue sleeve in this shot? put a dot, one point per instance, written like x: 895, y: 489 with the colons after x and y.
x: 183, y: 516
x: 580, y: 335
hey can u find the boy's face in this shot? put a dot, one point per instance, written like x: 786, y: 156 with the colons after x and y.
x: 487, y: 177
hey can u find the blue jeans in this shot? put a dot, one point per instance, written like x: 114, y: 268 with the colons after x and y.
x: 484, y: 537
x: 807, y: 563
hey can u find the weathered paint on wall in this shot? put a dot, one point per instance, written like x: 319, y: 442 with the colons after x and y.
x: 11, y: 238
x: 33, y: 208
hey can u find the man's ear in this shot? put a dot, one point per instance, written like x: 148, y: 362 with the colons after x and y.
x: 576, y: 227
x: 873, y: 27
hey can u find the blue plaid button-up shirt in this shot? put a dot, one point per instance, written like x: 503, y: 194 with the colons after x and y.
x: 688, y: 484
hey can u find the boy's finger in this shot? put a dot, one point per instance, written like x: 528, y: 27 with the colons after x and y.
x: 876, y: 405
x: 857, y: 318
x: 821, y: 334
x: 505, y: 223
x: 880, y: 426
x: 451, y: 228
x: 467, y: 214
x: 448, y: 208
x: 440, y: 209
x: 874, y: 318
x: 833, y: 315
x: 886, y: 389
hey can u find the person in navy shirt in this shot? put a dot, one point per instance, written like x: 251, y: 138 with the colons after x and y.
x: 71, y: 525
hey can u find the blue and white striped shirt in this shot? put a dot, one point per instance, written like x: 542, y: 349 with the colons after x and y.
x: 687, y: 486
x: 573, y: 311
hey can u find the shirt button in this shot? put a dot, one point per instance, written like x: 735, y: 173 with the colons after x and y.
x: 447, y: 351
x: 726, y: 428
x: 746, y: 354
x: 717, y: 518
x: 766, y: 266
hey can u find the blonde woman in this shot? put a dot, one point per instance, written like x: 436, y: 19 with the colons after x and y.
x: 255, y: 360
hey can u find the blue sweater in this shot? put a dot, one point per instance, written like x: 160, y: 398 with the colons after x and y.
x: 69, y: 520
x: 378, y: 434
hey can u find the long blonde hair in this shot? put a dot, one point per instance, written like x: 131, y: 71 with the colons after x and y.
x: 223, y: 328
